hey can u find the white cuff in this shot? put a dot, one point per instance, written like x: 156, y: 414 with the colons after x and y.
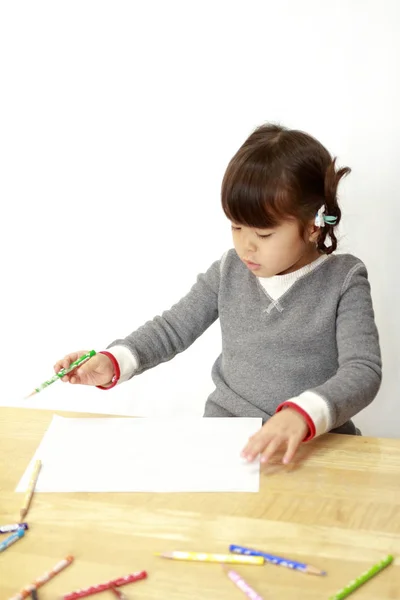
x: 128, y: 364
x: 317, y: 409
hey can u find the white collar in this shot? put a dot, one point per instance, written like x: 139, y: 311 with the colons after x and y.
x: 278, y: 285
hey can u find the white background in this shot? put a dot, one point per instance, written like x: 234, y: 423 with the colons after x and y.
x: 117, y: 121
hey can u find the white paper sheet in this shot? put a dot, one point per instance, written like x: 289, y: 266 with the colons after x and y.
x: 145, y: 455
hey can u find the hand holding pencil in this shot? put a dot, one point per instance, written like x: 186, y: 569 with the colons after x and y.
x: 95, y: 370
x: 84, y: 367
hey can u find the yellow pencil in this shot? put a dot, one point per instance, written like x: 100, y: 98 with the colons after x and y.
x: 31, y: 488
x: 238, y: 559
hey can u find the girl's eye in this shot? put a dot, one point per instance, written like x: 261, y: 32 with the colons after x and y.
x: 259, y: 235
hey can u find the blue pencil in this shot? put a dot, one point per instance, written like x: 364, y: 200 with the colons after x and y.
x: 14, y: 537
x: 277, y: 560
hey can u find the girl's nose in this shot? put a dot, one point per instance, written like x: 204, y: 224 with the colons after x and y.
x: 249, y: 244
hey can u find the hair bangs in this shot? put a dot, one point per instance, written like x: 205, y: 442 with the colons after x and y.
x: 253, y: 197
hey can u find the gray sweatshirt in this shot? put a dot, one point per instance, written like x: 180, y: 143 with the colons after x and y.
x: 308, y: 338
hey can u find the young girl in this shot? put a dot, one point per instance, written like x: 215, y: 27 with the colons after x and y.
x: 299, y: 343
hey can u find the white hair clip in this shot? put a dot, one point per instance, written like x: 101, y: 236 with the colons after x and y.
x: 321, y: 218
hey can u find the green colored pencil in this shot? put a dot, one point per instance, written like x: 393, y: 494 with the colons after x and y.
x: 363, y: 578
x: 60, y: 374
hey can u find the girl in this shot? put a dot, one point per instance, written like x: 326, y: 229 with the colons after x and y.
x: 299, y: 343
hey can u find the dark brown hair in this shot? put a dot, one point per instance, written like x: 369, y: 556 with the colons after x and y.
x: 278, y: 174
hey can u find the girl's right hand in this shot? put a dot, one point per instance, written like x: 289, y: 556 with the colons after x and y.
x: 98, y: 370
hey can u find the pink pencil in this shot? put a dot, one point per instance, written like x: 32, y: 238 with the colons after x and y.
x: 242, y: 585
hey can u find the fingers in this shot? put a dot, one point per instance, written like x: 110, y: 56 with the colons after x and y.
x: 268, y: 445
x: 292, y: 447
x: 256, y: 445
x: 271, y: 448
x: 76, y: 377
x: 65, y: 362
x: 84, y: 374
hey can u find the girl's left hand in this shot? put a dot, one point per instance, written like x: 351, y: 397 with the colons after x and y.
x: 287, y: 428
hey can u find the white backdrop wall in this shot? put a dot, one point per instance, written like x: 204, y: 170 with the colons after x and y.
x: 117, y: 122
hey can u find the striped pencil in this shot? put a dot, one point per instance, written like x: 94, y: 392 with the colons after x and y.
x: 95, y: 589
x: 276, y: 560
x: 27, y: 590
x: 209, y: 557
x: 363, y: 578
x: 243, y: 585
x: 31, y: 488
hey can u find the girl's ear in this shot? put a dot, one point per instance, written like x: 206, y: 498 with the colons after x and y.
x: 313, y: 232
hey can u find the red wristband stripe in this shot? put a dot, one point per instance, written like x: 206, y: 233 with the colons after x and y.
x: 117, y: 372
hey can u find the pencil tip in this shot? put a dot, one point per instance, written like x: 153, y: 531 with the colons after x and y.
x: 319, y: 572
x: 314, y: 571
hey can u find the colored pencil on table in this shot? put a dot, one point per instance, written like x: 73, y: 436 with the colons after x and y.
x: 31, y: 587
x: 95, y: 589
x: 118, y: 594
x: 74, y: 365
x: 13, y: 527
x: 14, y: 537
x: 210, y: 557
x: 276, y: 560
x: 242, y: 585
x: 363, y: 578
x: 31, y: 488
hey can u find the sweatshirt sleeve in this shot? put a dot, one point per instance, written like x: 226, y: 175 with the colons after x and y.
x: 359, y: 373
x: 162, y: 338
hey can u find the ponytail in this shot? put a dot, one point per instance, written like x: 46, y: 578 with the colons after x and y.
x: 331, y: 182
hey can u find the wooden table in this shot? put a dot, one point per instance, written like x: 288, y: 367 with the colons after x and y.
x: 338, y: 509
